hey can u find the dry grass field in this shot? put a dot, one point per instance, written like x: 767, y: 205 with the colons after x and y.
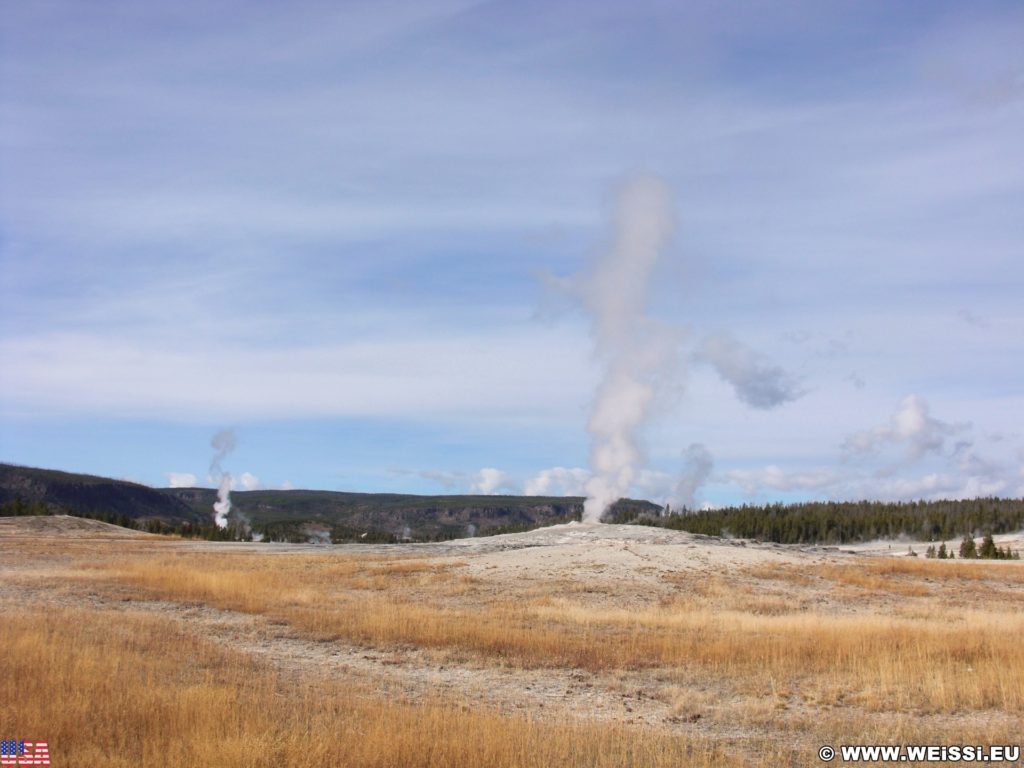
x: 577, y: 646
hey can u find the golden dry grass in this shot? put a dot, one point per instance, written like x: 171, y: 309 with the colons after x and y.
x: 966, y: 660
x: 128, y: 689
x: 864, y: 650
x: 886, y: 571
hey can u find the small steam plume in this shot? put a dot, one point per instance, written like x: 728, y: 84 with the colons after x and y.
x: 223, y: 443
x: 697, y: 467
x: 633, y: 352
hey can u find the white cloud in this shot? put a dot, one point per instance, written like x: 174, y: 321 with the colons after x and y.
x: 490, y: 481
x: 446, y: 480
x: 249, y: 481
x: 287, y: 485
x: 911, y: 426
x: 557, y: 481
x: 181, y: 479
x: 488, y: 377
x: 775, y: 478
x: 955, y: 480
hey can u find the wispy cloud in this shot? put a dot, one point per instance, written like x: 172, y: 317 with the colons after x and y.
x: 756, y: 381
x: 911, y: 427
x: 469, y: 377
x: 181, y: 479
x: 447, y: 480
x: 910, y: 457
x: 326, y: 217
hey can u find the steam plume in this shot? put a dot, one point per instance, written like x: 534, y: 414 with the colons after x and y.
x: 614, y: 292
x: 223, y: 443
x: 223, y: 504
x: 697, y: 467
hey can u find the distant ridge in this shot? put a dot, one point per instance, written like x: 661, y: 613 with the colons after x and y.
x: 297, y: 515
x: 89, y: 495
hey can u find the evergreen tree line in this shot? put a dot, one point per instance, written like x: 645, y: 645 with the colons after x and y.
x: 802, y: 523
x: 209, y: 531
x: 285, y: 531
x: 841, y: 522
x: 971, y: 551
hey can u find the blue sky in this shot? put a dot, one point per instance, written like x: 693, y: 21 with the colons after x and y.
x: 328, y: 226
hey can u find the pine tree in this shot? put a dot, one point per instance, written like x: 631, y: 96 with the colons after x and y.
x: 988, y: 549
x: 967, y: 548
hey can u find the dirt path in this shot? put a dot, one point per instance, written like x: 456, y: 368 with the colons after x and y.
x: 411, y: 674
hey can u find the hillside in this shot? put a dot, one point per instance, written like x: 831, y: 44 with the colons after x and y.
x: 303, y: 515
x: 65, y: 526
x: 51, y: 491
x: 387, y: 516
x: 295, y: 515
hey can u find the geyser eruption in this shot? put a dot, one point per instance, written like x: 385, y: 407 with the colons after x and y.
x: 222, y: 506
x: 629, y: 345
x: 223, y: 443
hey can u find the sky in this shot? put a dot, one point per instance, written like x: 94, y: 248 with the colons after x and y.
x: 344, y: 231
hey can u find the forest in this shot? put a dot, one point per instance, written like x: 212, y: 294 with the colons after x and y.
x: 841, y: 522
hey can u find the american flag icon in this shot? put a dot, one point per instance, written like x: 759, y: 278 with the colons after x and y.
x: 20, y: 752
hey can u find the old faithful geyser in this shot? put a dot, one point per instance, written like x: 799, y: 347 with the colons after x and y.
x: 627, y: 343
